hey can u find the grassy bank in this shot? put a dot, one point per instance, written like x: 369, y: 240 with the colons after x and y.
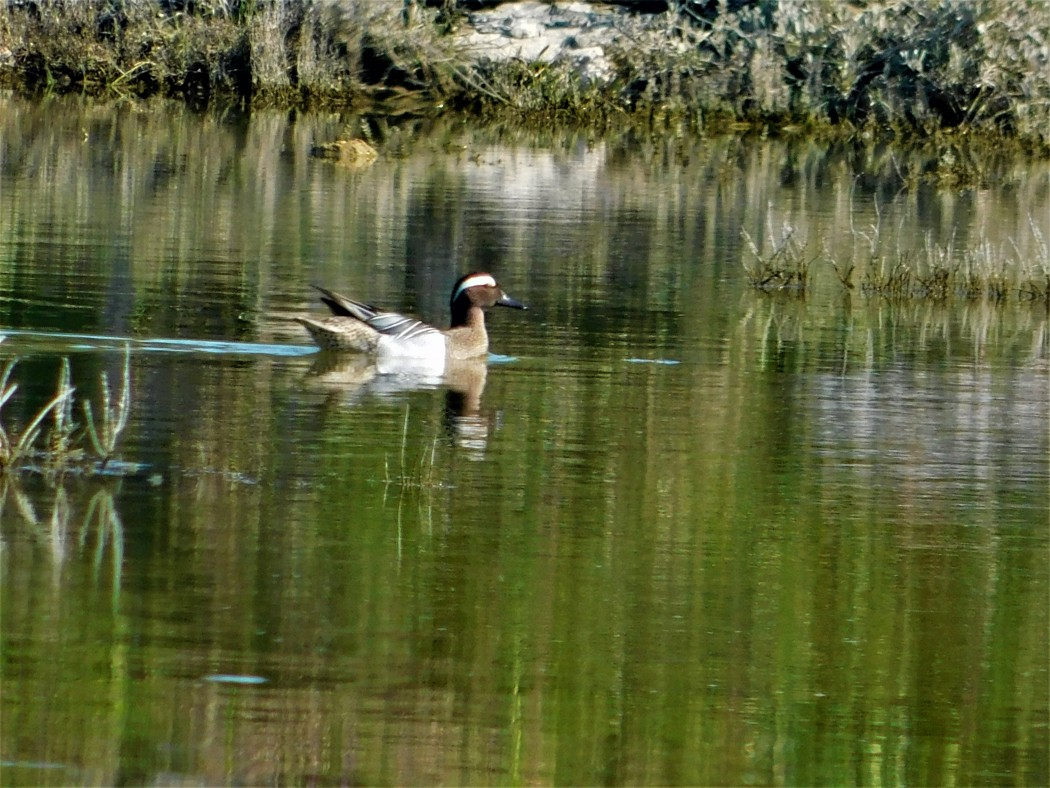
x: 902, y: 68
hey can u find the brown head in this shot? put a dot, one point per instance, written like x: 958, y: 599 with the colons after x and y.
x: 480, y: 290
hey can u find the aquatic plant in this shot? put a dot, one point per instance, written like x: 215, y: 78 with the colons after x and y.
x: 879, y: 267
x: 17, y: 446
x: 939, y: 272
x: 114, y: 415
x: 785, y: 267
x: 1035, y: 273
x: 62, y: 449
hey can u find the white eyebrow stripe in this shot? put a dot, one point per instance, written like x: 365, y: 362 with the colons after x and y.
x: 481, y: 280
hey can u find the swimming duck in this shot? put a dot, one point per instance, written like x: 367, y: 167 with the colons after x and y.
x: 393, y: 338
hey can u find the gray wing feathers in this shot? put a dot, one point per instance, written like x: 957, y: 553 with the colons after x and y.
x: 399, y: 326
x: 390, y: 323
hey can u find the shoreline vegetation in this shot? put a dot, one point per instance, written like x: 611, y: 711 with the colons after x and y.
x: 905, y: 70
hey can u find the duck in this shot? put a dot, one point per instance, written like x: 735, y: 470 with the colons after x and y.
x: 395, y: 340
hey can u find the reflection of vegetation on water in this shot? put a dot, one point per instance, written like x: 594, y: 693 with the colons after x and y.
x: 66, y: 445
x: 411, y: 473
x: 175, y: 190
x: 65, y: 539
x: 863, y: 334
x: 713, y: 572
x: 71, y: 525
x: 417, y: 476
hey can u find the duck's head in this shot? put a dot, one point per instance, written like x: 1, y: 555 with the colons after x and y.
x: 481, y: 290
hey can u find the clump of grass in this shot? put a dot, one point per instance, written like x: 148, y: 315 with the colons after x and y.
x: 908, y: 69
x: 538, y: 92
x: 1035, y: 288
x: 114, y: 414
x: 888, y: 278
x: 786, y: 267
x: 1035, y: 274
x: 65, y: 446
x: 17, y: 446
x: 939, y: 273
x: 983, y: 275
x: 280, y: 51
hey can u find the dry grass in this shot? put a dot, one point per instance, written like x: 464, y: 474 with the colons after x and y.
x: 904, y: 67
x: 61, y: 448
x: 938, y: 272
x: 785, y: 267
x: 941, y: 273
x: 891, y: 67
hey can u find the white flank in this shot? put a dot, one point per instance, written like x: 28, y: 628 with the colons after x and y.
x: 421, y: 355
x: 481, y: 280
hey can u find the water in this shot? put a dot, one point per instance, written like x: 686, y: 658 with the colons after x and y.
x: 673, y: 532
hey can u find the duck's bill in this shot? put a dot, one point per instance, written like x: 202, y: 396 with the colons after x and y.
x: 506, y: 300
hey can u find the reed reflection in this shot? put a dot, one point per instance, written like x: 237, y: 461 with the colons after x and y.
x: 68, y: 523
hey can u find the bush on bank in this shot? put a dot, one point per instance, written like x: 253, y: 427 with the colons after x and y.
x: 902, y: 67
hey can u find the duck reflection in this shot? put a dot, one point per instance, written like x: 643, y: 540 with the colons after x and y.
x: 354, y: 377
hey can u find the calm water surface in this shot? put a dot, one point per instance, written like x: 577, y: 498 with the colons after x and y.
x: 673, y: 532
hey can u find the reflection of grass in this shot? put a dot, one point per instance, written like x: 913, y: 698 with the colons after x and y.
x: 866, y: 332
x: 418, y: 475
x: 421, y: 471
x: 55, y: 530
x: 60, y: 449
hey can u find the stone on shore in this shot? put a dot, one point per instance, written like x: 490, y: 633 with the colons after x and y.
x: 532, y: 31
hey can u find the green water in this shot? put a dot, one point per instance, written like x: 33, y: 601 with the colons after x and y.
x: 674, y: 532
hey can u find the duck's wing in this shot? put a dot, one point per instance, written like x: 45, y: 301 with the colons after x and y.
x: 390, y: 323
x: 399, y: 326
x: 341, y: 306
